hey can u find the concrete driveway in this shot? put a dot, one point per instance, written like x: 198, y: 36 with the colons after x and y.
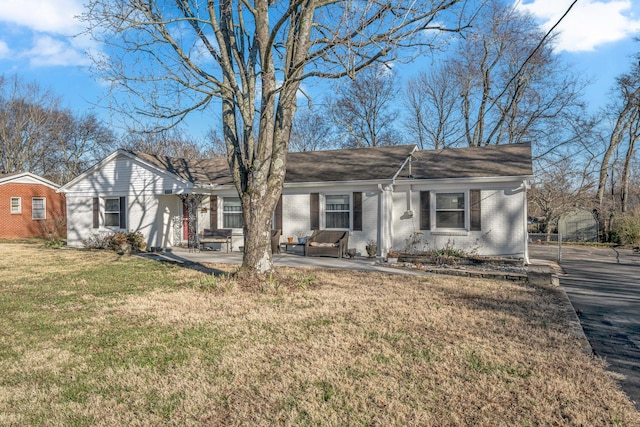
x: 603, y: 284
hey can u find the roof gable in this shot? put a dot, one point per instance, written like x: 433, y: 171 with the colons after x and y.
x: 27, y: 178
x: 136, y: 157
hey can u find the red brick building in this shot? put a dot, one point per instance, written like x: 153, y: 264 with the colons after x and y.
x: 30, y: 207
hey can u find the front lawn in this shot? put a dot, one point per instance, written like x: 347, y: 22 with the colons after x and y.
x: 93, y: 338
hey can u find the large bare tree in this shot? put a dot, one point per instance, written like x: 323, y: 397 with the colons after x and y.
x: 625, y: 132
x: 39, y: 136
x: 176, y: 56
x: 363, y: 109
x: 311, y: 131
x: 431, y: 99
x: 502, y: 84
x: 26, y: 118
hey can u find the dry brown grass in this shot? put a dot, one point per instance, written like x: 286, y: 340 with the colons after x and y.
x: 174, y: 346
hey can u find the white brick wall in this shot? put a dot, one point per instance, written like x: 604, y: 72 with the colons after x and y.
x: 502, y: 221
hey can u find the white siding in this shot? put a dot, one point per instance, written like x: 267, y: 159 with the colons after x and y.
x: 122, y: 176
x: 79, y: 219
x: 148, y: 209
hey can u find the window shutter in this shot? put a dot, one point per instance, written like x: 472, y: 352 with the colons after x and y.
x: 277, y: 215
x: 96, y: 212
x: 476, y: 213
x: 314, y: 212
x: 357, y: 211
x: 425, y: 210
x: 123, y: 212
x: 213, y: 212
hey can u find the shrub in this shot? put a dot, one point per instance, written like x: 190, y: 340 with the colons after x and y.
x: 53, y: 230
x: 119, y: 241
x: 447, y: 255
x: 625, y: 229
x: 96, y: 241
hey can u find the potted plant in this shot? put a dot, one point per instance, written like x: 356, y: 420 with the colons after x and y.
x: 392, y: 257
x: 302, y: 237
x: 372, y: 248
x: 290, y: 239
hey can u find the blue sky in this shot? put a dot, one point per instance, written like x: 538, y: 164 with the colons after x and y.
x: 39, y: 41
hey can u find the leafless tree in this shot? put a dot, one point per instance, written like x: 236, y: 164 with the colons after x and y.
x: 174, y: 142
x: 74, y: 143
x: 501, y: 85
x: 363, y: 109
x: 26, y: 117
x: 624, y: 136
x: 176, y: 56
x: 431, y: 99
x: 37, y: 135
x: 311, y: 131
x: 558, y: 189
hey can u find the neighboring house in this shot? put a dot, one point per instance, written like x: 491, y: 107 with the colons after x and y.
x: 470, y: 198
x: 30, y: 207
x: 579, y: 225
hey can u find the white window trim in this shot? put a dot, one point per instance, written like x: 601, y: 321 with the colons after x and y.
x: 19, y: 210
x: 221, y: 212
x: 467, y: 213
x: 44, y: 205
x: 323, y: 210
x: 103, y: 208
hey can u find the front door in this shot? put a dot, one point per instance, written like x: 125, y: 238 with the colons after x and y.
x: 185, y: 221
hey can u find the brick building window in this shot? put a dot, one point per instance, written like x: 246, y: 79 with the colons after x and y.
x: 16, y: 205
x: 38, y: 208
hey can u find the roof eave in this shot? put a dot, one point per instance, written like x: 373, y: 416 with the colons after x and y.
x: 19, y: 175
x: 472, y: 180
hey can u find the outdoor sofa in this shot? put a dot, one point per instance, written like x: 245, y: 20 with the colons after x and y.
x: 327, y: 243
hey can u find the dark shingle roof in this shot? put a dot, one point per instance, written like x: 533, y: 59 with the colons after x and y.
x: 364, y: 164
x: 359, y: 164
x: 471, y: 162
x: 189, y: 170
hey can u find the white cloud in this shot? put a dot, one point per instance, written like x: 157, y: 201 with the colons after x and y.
x: 5, y: 52
x: 50, y: 16
x: 590, y: 23
x: 44, y: 32
x: 48, y: 51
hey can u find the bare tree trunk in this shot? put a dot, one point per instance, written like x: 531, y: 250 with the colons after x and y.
x: 634, y: 134
x: 622, y: 125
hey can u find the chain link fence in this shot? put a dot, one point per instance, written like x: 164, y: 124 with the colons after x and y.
x: 547, y: 239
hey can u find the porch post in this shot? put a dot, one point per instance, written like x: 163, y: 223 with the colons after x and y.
x: 386, y: 219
